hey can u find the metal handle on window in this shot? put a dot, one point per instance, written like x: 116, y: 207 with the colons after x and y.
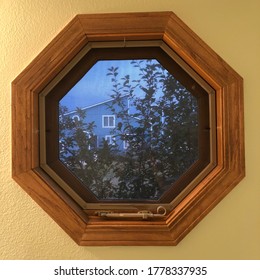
x: 161, y: 212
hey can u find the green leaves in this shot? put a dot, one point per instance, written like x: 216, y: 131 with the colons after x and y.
x: 158, y: 124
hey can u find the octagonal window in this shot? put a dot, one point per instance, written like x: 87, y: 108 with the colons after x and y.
x: 129, y: 125
x: 202, y: 126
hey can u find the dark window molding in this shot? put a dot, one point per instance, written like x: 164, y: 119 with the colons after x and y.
x: 49, y: 100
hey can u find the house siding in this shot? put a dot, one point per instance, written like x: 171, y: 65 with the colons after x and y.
x: 95, y: 114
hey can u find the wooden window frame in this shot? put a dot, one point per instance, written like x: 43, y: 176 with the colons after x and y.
x: 82, y: 226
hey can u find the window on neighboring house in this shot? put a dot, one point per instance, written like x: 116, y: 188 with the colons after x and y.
x: 76, y: 118
x: 125, y: 144
x: 91, y: 139
x: 110, y: 139
x: 108, y: 121
x: 129, y: 139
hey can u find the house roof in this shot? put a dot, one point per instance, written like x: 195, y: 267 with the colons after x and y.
x: 94, y: 105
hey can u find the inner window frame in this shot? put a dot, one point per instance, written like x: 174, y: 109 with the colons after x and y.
x: 137, y: 50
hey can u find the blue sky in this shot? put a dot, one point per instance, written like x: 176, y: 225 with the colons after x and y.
x: 96, y: 86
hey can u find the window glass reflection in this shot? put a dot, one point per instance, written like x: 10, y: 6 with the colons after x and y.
x: 136, y: 130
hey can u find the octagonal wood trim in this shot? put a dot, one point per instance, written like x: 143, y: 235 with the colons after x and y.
x: 91, y: 230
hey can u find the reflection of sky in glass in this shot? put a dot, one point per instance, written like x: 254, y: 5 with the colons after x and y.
x: 95, y: 86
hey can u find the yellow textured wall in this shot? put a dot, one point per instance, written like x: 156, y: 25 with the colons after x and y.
x: 232, y: 229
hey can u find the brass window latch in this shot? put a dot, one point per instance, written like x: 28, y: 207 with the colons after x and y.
x: 145, y: 215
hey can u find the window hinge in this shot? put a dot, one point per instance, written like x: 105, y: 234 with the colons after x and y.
x: 145, y: 215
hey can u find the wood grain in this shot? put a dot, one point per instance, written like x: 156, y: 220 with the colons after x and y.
x: 91, y: 230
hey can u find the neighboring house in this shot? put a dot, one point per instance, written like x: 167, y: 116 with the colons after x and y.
x: 106, y: 122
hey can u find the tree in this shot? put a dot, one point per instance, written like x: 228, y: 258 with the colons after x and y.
x: 78, y: 152
x: 164, y: 143
x: 159, y: 130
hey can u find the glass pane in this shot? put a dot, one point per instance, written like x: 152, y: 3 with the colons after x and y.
x: 106, y: 121
x: 136, y: 131
x: 111, y: 121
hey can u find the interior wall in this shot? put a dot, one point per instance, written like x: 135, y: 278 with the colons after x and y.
x: 232, y: 229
